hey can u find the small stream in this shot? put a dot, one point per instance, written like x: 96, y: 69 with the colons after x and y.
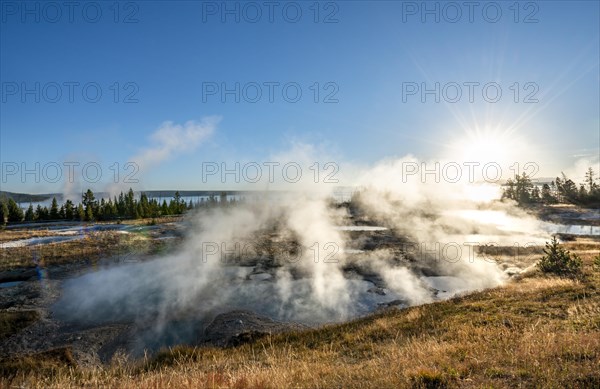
x: 571, y: 229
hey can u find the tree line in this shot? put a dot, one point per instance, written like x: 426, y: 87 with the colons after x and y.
x: 124, y: 206
x: 560, y: 190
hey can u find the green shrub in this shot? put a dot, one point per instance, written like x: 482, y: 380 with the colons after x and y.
x: 427, y: 379
x: 558, y: 260
x: 597, y: 262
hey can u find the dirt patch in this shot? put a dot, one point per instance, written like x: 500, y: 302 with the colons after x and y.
x: 238, y: 327
x: 11, y: 322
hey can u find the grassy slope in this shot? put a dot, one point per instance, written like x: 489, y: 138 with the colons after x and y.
x: 538, y: 331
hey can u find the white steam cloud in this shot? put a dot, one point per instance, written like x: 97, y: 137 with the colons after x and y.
x: 311, y: 270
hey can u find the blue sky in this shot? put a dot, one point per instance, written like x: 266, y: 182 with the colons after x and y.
x: 367, y: 57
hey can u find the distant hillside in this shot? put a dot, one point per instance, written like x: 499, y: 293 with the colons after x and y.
x: 24, y: 198
x: 28, y: 198
x: 193, y: 193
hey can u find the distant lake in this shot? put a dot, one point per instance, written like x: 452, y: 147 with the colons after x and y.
x: 340, y: 195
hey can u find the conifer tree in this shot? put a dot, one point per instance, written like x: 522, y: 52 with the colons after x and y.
x: 80, y: 212
x: 54, y: 214
x: 39, y: 213
x: 30, y: 214
x: 15, y: 213
x: 589, y: 180
x: 89, y: 202
x: 69, y: 210
x: 558, y: 260
x: 3, y: 212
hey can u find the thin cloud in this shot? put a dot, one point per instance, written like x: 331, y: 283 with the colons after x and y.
x: 171, y: 139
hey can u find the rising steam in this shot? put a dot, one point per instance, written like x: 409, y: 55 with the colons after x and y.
x: 306, y: 263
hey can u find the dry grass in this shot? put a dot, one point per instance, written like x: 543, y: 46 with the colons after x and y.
x: 156, y: 220
x: 583, y: 245
x: 8, y: 235
x: 13, y: 322
x: 93, y: 247
x: 535, y: 332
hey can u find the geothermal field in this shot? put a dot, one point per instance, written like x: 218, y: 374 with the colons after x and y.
x: 227, y: 273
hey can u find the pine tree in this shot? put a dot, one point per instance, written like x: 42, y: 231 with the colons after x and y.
x: 80, y: 212
x: 121, y: 206
x: 54, y: 214
x: 101, y: 214
x: 154, y: 208
x: 30, y: 214
x: 509, y: 190
x: 15, y: 213
x: 568, y: 189
x: 138, y: 212
x: 593, y: 190
x: 39, y: 213
x: 177, y: 209
x: 144, y: 206
x: 535, y: 194
x: 546, y: 195
x: 553, y: 191
x: 69, y: 210
x: 89, y: 202
x: 582, y: 194
x: 589, y: 180
x: 89, y: 214
x: 3, y: 212
x: 130, y: 204
x: 109, y: 210
x: 558, y: 260
x: 523, y: 189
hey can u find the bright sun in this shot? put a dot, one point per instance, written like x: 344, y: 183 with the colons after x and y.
x: 484, y: 147
x: 484, y: 150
